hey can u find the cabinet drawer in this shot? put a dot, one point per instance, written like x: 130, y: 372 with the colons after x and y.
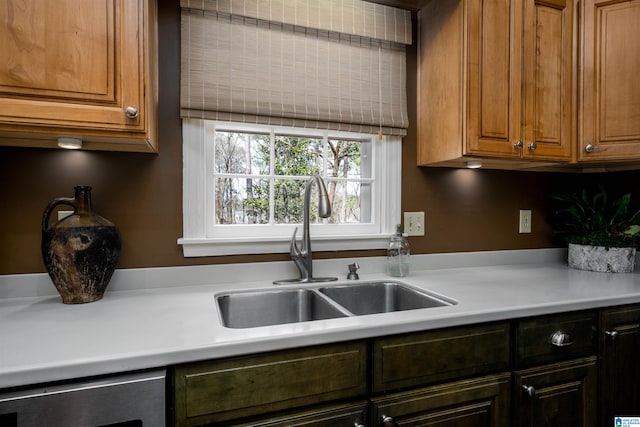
x: 574, y: 335
x: 440, y: 355
x: 482, y: 401
x: 334, y: 416
x: 245, y: 386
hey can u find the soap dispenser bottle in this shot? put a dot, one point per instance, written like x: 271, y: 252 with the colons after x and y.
x: 398, y: 254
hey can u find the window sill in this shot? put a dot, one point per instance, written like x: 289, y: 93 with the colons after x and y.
x: 197, y: 247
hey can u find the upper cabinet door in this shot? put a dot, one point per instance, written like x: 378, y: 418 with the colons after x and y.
x: 495, y: 76
x: 609, y: 87
x: 77, y: 68
x: 495, y: 82
x: 547, y: 59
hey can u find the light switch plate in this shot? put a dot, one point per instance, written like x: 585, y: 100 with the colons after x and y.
x: 414, y: 223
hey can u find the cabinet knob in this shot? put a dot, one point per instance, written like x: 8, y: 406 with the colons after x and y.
x: 358, y: 424
x: 518, y: 145
x: 530, y: 390
x: 589, y: 148
x: 131, y: 112
x: 561, y: 339
x: 389, y: 422
x: 532, y: 146
x: 611, y: 334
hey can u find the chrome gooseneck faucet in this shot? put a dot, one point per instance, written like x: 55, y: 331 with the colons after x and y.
x: 302, y: 257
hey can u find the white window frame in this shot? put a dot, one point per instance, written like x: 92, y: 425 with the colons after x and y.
x: 202, y: 238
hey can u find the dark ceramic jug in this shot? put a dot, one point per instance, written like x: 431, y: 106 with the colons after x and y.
x: 80, y: 251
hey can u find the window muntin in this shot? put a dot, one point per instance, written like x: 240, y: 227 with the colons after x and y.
x: 377, y: 183
x: 259, y: 178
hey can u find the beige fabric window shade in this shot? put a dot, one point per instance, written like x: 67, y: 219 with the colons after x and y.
x: 326, y: 64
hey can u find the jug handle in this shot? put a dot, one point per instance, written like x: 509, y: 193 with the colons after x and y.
x: 55, y: 202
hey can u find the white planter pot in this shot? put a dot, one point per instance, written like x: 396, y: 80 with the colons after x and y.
x: 598, y: 258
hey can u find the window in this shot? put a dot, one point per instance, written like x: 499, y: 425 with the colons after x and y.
x: 244, y: 185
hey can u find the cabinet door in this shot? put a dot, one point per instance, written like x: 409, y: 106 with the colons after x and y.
x: 561, y: 394
x: 71, y: 67
x: 547, y: 59
x: 609, y: 115
x: 471, y: 403
x: 494, y: 77
x: 619, y: 368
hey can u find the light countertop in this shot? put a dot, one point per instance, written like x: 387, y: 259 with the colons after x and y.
x: 144, y: 326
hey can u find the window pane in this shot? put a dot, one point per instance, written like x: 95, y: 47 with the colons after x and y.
x: 242, y: 201
x: 243, y: 153
x: 350, y: 202
x: 298, y: 156
x: 349, y: 159
x: 289, y: 202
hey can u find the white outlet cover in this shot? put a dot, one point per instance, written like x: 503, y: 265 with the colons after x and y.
x: 524, y: 223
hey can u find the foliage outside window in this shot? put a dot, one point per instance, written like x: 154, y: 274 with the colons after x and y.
x: 244, y: 187
x: 260, y: 178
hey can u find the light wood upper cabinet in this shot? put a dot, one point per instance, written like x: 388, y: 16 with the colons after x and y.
x: 72, y: 68
x: 494, y: 82
x: 609, y: 87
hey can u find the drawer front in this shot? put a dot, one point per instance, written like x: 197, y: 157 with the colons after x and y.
x: 445, y: 354
x: 479, y: 401
x: 335, y: 416
x: 246, y: 386
x: 574, y: 335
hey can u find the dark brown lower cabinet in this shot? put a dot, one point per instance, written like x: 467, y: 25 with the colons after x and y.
x: 352, y: 415
x: 619, y: 365
x: 558, y: 394
x: 476, y: 402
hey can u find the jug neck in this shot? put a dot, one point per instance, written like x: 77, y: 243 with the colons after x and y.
x: 83, y: 199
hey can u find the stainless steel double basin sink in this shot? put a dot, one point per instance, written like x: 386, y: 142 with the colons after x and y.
x: 279, y: 306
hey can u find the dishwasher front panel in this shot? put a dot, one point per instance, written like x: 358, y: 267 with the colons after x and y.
x: 128, y: 400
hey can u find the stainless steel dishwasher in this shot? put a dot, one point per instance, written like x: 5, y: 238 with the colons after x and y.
x: 128, y: 400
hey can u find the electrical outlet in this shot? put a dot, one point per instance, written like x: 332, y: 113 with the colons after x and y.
x: 525, y: 221
x: 414, y: 223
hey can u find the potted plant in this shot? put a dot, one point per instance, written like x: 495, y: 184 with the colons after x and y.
x: 602, y: 233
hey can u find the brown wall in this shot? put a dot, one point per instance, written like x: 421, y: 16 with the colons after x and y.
x: 465, y: 210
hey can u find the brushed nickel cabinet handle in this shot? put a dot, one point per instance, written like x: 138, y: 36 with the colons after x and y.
x: 530, y: 390
x: 389, y: 422
x: 532, y: 146
x: 561, y: 339
x: 589, y: 148
x: 611, y: 334
x: 518, y: 145
x: 131, y: 112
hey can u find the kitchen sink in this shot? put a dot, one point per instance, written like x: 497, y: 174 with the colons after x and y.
x: 273, y: 307
x: 264, y: 308
x: 381, y: 297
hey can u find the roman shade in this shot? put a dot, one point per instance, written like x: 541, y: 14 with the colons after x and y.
x: 325, y: 64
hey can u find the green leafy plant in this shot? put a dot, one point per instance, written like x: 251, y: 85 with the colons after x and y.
x: 594, y: 219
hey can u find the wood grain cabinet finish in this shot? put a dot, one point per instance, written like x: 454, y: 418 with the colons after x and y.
x: 441, y: 355
x: 476, y: 402
x: 237, y: 388
x: 556, y: 337
x: 495, y: 82
x: 618, y: 365
x: 352, y: 415
x: 559, y: 394
x: 78, y: 69
x: 559, y: 386
x: 609, y: 88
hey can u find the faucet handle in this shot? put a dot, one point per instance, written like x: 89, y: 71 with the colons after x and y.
x: 353, y: 271
x: 294, y: 250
